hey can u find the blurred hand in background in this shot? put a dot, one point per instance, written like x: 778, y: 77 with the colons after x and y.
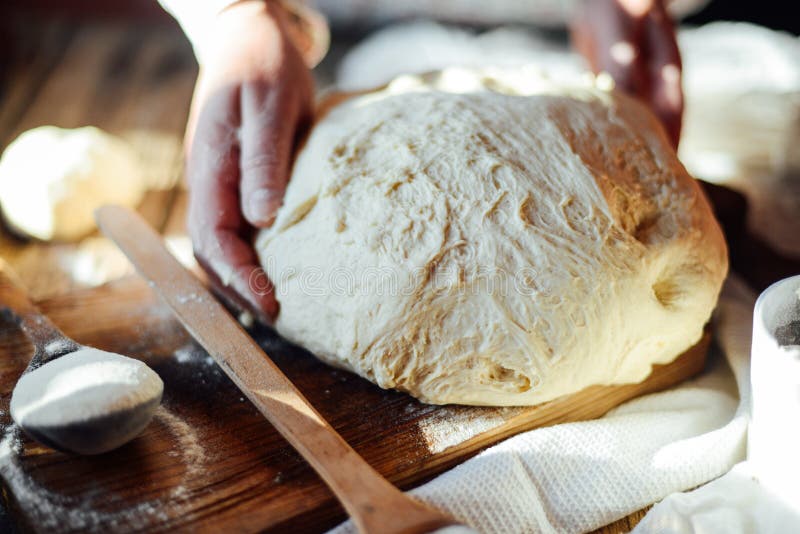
x: 634, y: 41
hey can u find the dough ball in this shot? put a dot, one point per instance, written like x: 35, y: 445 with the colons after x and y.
x: 493, y: 238
x: 52, y: 179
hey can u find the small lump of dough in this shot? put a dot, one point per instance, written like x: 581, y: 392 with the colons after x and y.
x: 52, y: 179
x: 493, y: 237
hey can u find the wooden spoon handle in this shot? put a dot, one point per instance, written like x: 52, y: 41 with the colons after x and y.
x: 48, y: 341
x: 372, y: 502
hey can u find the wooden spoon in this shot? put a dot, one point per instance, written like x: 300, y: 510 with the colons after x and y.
x: 52, y: 402
x: 374, y: 504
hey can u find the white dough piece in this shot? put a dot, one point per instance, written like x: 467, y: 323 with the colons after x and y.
x: 490, y: 237
x: 52, y: 179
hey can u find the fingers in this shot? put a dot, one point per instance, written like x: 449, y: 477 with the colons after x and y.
x: 219, y: 233
x: 268, y: 126
x: 273, y: 118
x: 244, y: 120
x: 245, y: 285
x: 634, y: 41
x: 610, y: 39
x: 664, y: 72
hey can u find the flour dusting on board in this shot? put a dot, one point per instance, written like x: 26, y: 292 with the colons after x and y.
x: 190, y: 448
x: 452, y: 425
x: 57, y: 346
x: 193, y: 355
x: 50, y: 510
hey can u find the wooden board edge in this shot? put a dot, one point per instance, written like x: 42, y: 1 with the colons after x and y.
x: 590, y: 403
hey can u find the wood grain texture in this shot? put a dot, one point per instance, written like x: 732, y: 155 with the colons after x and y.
x: 132, y: 81
x: 210, y: 460
x: 374, y: 505
x: 624, y: 525
x: 47, y: 340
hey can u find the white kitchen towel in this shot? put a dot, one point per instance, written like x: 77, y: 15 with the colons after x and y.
x: 760, y: 494
x: 580, y: 476
x: 736, y: 503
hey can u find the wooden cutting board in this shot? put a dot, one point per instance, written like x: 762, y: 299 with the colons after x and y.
x: 210, y: 462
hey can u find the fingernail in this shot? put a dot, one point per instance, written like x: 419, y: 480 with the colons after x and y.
x: 262, y: 207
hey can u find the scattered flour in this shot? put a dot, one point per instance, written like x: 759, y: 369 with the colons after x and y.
x: 192, y: 354
x: 453, y: 425
x: 50, y: 510
x: 59, y: 345
x: 189, y: 447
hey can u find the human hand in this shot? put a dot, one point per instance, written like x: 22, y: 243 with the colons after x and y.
x: 253, y: 101
x: 634, y: 41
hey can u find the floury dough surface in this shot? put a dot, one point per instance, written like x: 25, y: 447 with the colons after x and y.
x: 492, y: 238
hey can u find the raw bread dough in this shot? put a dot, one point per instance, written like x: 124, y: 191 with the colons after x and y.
x: 493, y: 238
x: 52, y: 180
